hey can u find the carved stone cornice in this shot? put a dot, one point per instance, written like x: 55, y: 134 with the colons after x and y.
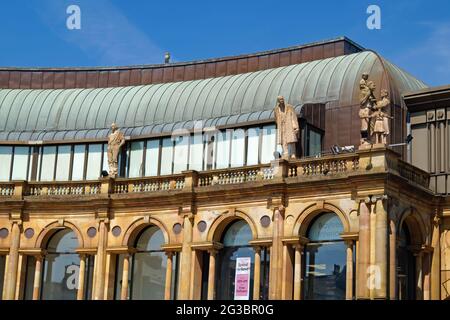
x: 261, y: 242
x: 295, y: 241
x: 87, y: 251
x: 35, y: 252
x: 350, y: 236
x: 206, y: 245
x: 121, y: 250
x: 176, y: 247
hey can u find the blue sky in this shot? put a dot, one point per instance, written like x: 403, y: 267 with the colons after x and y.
x: 414, y: 34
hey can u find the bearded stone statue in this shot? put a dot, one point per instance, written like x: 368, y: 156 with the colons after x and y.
x: 115, y: 141
x: 287, y: 128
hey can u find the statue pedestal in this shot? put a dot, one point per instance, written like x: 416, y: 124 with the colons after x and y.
x: 368, y: 146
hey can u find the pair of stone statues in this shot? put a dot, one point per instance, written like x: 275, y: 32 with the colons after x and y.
x: 372, y: 112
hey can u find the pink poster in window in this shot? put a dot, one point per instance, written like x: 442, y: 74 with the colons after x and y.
x: 242, y: 279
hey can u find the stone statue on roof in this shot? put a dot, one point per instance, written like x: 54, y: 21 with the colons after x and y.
x: 115, y: 141
x: 373, y: 114
x: 287, y: 128
x: 367, y: 101
x: 381, y: 125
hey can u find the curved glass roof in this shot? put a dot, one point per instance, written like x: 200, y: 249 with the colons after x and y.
x: 60, y: 114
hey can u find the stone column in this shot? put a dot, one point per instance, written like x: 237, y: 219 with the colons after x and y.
x: 168, y: 287
x: 276, y: 257
x: 257, y: 273
x: 212, y: 274
x: 436, y: 259
x: 125, y: 276
x: 381, y: 249
x: 185, y: 258
x: 21, y: 270
x: 426, y: 275
x: 373, y: 270
x: 196, y: 268
x: 363, y: 251
x: 349, y: 275
x: 288, y: 272
x: 13, y: 262
x: 419, y: 276
x: 109, y: 276
x: 392, y: 260
x: 81, y: 277
x: 37, y: 277
x: 298, y: 271
x: 100, y: 269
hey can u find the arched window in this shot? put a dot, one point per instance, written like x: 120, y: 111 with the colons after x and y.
x: 325, y: 271
x: 149, y: 266
x: 236, y: 263
x: 61, y: 267
x: 405, y: 266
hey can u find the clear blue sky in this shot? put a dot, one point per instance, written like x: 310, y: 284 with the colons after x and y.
x: 414, y: 34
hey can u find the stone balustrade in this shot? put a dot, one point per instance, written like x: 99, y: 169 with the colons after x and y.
x: 328, y: 165
x: 235, y: 175
x: 6, y: 190
x: 411, y: 173
x: 59, y: 188
x: 149, y: 184
x: 341, y: 165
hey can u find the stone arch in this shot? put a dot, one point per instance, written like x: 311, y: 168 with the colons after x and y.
x: 133, y: 231
x: 49, y: 230
x: 309, y: 213
x: 415, y: 224
x: 221, y: 222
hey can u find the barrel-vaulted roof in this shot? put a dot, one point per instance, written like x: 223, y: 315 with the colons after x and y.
x: 66, y: 114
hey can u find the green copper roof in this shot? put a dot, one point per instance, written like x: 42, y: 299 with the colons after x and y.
x: 58, y: 114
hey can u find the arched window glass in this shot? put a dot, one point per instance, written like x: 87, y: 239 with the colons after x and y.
x: 326, y: 227
x: 150, y: 240
x: 238, y: 234
x: 405, y: 266
x: 61, y: 267
x: 149, y: 266
x: 325, y: 270
x: 236, y: 263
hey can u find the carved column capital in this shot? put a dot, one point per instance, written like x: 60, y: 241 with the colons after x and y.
x: 169, y: 254
x: 257, y: 249
x: 102, y: 215
x: 437, y: 220
x: 213, y: 251
x: 277, y: 202
x: 188, y: 211
x: 15, y: 217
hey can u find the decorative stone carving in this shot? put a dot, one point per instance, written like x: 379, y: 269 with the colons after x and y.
x: 367, y: 100
x: 381, y: 124
x: 115, y: 141
x: 374, y: 119
x: 287, y: 127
